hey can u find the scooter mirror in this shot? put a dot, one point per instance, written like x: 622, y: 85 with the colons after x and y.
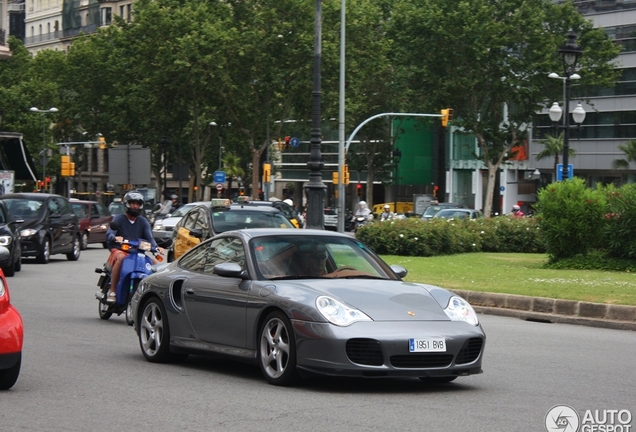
x: 114, y: 226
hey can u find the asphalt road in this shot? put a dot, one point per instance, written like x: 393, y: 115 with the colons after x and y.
x: 80, y: 373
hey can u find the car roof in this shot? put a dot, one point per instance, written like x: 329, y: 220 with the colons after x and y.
x: 266, y: 232
x: 31, y: 195
x: 73, y: 201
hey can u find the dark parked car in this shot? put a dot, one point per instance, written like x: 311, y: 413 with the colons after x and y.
x: 434, y: 208
x: 10, y: 239
x: 94, y: 219
x: 48, y: 225
x: 305, y: 301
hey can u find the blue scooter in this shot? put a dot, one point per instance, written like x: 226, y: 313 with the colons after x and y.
x: 136, y: 266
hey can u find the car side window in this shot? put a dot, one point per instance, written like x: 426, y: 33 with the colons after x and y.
x: 54, y: 207
x: 205, y: 258
x: 63, y: 206
x: 190, y: 220
x: 101, y: 210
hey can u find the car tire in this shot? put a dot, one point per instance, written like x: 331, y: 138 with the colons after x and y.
x: 154, y: 334
x: 8, y: 377
x: 18, y: 264
x: 438, y: 380
x: 9, y: 271
x: 75, y: 253
x: 277, y: 350
x: 45, y: 253
x: 84, y: 241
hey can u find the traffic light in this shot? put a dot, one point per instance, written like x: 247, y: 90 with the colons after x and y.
x: 267, y: 173
x: 65, y: 165
x: 334, y: 177
x: 346, y: 175
x: 435, y: 189
x: 71, y: 169
x: 287, y: 142
x: 359, y: 189
x: 47, y: 183
x: 447, y: 115
x: 280, y: 144
x: 102, y: 142
x: 241, y: 191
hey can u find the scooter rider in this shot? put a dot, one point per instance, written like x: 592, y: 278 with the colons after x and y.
x: 131, y: 227
x: 386, y: 214
x: 363, y: 210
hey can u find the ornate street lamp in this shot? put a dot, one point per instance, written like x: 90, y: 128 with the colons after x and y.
x: 165, y: 143
x: 50, y: 110
x: 315, y: 189
x: 571, y: 53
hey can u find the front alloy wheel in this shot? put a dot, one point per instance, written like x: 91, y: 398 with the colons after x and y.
x: 277, y: 350
x: 154, y: 334
x: 74, y: 254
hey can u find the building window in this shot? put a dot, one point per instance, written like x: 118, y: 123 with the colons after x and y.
x: 107, y: 16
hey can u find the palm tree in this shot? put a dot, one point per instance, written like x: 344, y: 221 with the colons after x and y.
x: 554, y: 148
x: 629, y: 148
x: 232, y: 167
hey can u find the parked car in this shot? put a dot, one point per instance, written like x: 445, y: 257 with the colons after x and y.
x: 10, y: 239
x: 331, y: 219
x: 48, y: 225
x: 248, y: 294
x: 432, y: 209
x: 116, y: 207
x: 218, y: 216
x: 457, y: 213
x: 11, y: 333
x: 94, y: 220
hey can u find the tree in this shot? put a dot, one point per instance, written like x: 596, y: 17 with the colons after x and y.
x: 473, y: 57
x: 629, y: 148
x: 232, y: 166
x: 554, y: 148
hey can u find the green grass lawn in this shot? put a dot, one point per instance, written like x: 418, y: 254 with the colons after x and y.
x: 522, y: 274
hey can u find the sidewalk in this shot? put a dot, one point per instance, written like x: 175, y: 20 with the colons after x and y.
x: 549, y: 310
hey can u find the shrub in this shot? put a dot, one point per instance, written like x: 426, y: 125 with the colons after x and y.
x: 570, y: 218
x: 619, y: 228
x: 413, y: 237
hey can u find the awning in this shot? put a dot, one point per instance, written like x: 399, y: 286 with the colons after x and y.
x: 14, y: 156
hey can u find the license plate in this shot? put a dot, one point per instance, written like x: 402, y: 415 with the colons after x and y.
x: 427, y: 345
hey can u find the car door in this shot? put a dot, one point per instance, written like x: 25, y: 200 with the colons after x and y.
x: 216, y: 305
x: 184, y: 241
x: 56, y: 225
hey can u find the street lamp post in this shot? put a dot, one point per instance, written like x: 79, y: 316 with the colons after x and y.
x: 50, y: 110
x: 397, y: 155
x: 164, y: 142
x: 571, y: 53
x: 315, y: 189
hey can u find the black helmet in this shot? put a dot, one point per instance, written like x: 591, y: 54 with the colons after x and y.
x: 133, y: 196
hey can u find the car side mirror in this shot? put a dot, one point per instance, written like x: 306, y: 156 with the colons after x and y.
x: 399, y: 271
x: 230, y: 270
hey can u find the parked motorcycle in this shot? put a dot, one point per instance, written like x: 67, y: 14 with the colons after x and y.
x: 136, y: 266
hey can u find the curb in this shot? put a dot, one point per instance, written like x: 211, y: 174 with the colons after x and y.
x: 540, y: 309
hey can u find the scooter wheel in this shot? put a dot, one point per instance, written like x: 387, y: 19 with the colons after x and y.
x: 104, y: 311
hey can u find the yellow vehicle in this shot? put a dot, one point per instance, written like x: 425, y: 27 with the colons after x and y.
x: 207, y: 220
x: 402, y: 208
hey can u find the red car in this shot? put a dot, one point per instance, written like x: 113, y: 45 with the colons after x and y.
x: 94, y: 220
x: 11, y: 334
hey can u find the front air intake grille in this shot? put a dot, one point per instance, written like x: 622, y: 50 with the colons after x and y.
x: 416, y: 361
x: 365, y: 351
x: 470, y: 351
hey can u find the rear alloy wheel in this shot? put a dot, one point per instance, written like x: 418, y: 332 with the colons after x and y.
x: 154, y: 334
x: 277, y: 350
x: 75, y: 253
x: 84, y: 241
x: 45, y: 253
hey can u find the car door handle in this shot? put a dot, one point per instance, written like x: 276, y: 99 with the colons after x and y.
x: 189, y: 291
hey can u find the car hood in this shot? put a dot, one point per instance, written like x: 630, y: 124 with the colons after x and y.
x: 171, y: 221
x: 30, y: 223
x: 382, y: 300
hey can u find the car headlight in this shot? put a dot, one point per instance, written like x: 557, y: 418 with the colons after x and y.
x: 28, y: 232
x: 337, y: 313
x: 459, y: 309
x: 158, y: 226
x: 5, y: 240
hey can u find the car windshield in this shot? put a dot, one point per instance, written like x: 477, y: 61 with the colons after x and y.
x: 452, y: 214
x: 116, y: 208
x: 310, y: 257
x: 181, y: 211
x: 24, y: 208
x: 232, y: 220
x: 431, y: 210
x: 81, y: 210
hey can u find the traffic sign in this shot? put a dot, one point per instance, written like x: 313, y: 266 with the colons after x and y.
x: 219, y: 186
x: 559, y: 172
x: 294, y: 142
x: 219, y: 176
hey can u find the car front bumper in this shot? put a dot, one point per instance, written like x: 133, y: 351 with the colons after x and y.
x: 381, y: 349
